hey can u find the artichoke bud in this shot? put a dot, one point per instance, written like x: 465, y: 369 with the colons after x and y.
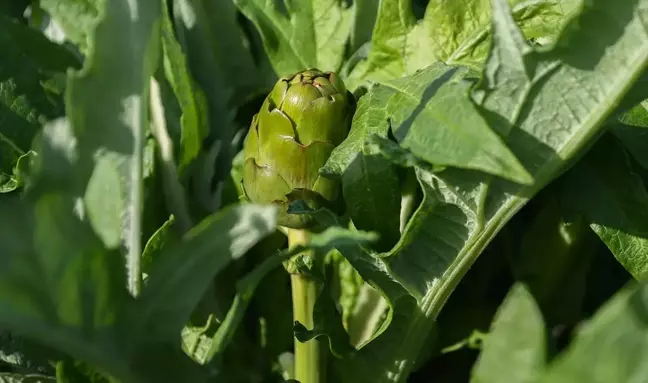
x: 301, y: 121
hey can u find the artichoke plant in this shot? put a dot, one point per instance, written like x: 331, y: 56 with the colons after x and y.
x: 301, y: 121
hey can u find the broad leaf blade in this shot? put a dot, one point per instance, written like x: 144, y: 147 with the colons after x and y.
x: 430, y: 114
x: 514, y: 350
x: 109, y: 125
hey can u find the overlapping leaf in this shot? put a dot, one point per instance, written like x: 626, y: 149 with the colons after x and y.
x: 614, y: 201
x: 306, y: 34
x: 32, y: 72
x: 451, y: 32
x: 430, y: 115
x: 549, y: 106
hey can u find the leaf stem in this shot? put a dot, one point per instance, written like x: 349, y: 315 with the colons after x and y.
x: 309, y: 358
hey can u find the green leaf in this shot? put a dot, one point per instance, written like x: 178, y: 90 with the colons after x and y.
x: 31, y: 73
x: 163, y: 237
x: 614, y: 201
x: 635, y: 141
x: 312, y: 34
x: 109, y: 125
x: 436, y: 96
x: 77, y: 18
x: 637, y: 116
x: 177, y: 282
x: 59, y: 286
x: 553, y: 258
x: 632, y: 131
x: 8, y: 377
x: 321, y: 242
x: 454, y: 33
x: 610, y: 347
x: 371, y: 191
x: 514, y: 350
x: 193, y: 121
x: 197, y: 34
x: 364, y: 13
x: 548, y: 105
x: 70, y: 371
x: 327, y: 322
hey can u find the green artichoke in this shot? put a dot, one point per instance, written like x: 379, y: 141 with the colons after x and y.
x: 300, y: 123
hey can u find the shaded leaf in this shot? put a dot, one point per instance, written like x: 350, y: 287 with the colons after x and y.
x: 177, y: 282
x: 193, y: 122
x: 371, y: 191
x: 614, y: 201
x: 32, y: 70
x: 8, y: 377
x: 198, y: 37
x: 161, y: 238
x: 553, y: 259
x: 514, y: 350
x: 611, y: 347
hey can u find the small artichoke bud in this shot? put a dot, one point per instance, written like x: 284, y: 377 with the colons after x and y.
x: 301, y: 121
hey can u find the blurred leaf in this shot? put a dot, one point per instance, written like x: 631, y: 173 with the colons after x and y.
x: 514, y: 350
x: 637, y: 116
x: 70, y: 371
x: 193, y: 121
x: 31, y: 73
x: 312, y: 34
x: 635, y: 140
x: 614, y: 201
x: 364, y: 13
x: 159, y: 241
x: 59, y: 286
x: 14, y: 9
x: 549, y: 105
x: 8, y: 377
x: 185, y: 270
x: 451, y: 32
x: 436, y: 96
x: 633, y: 132
x: 553, y: 260
x: 199, y: 38
x: 109, y: 125
x: 610, y: 347
x: 78, y: 18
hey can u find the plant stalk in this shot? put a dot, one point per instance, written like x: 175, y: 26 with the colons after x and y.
x: 309, y: 356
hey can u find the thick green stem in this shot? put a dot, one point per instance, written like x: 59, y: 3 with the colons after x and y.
x: 309, y: 356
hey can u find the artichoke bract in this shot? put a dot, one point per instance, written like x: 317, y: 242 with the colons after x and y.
x: 301, y: 121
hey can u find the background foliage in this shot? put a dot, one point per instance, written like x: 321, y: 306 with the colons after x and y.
x: 494, y: 178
